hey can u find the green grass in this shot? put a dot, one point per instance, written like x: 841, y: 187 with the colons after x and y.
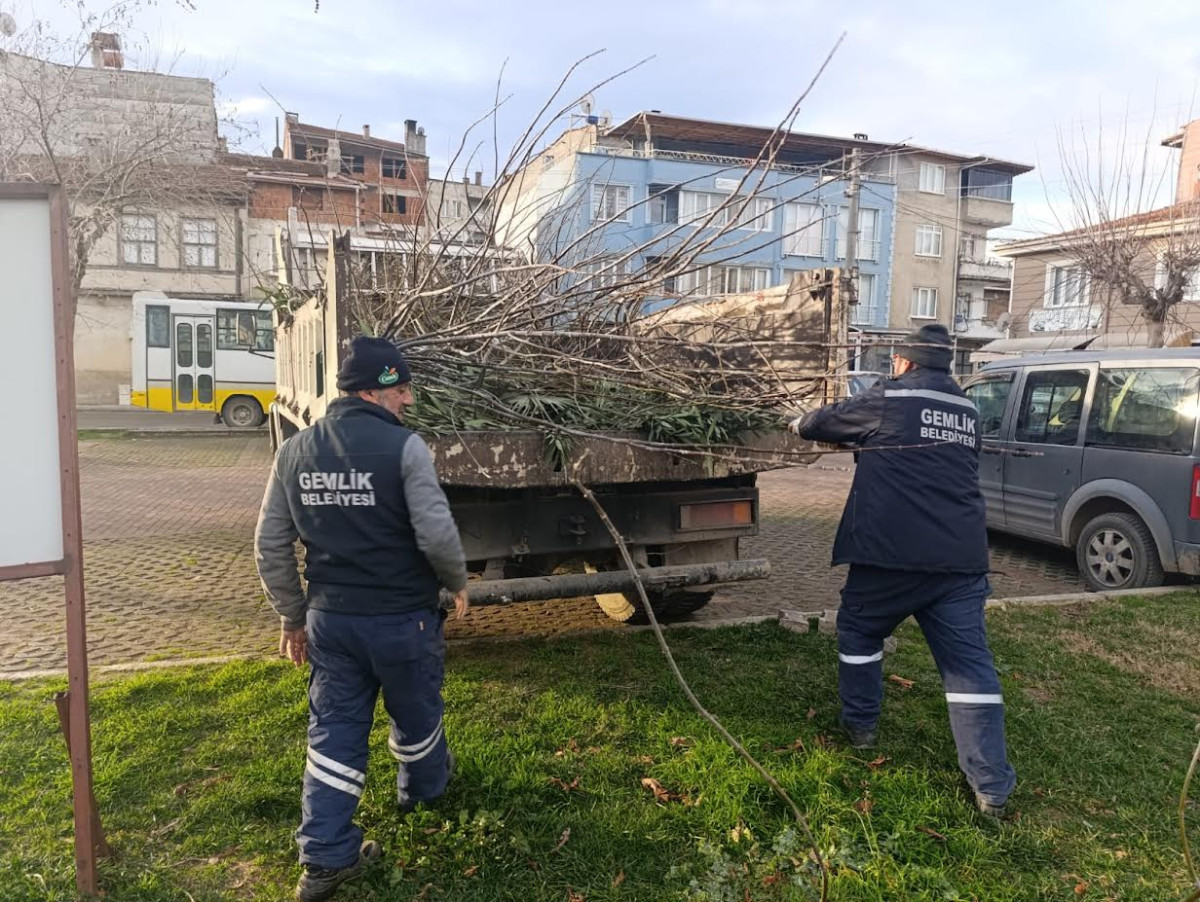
x: 198, y: 774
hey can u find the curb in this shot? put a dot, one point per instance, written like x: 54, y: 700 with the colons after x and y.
x: 1069, y: 598
x: 142, y: 432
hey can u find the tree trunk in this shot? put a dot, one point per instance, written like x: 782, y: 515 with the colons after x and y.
x: 1155, y: 330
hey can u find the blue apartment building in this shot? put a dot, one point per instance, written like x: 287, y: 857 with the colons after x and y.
x: 652, y: 176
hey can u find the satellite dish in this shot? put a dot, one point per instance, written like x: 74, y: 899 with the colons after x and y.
x: 8, y: 25
x: 587, y: 104
x: 1003, y: 320
x: 606, y: 118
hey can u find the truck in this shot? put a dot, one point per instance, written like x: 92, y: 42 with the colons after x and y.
x: 527, y: 532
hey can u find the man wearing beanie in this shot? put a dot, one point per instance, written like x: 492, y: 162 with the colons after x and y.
x: 914, y: 535
x: 359, y: 489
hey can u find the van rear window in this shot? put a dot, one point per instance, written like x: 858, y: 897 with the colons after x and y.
x: 1145, y: 408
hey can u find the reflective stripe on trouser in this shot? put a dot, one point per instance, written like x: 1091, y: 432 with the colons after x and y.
x: 950, y: 611
x: 351, y: 659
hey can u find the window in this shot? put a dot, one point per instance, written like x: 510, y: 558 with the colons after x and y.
x: 1191, y: 288
x: 804, y: 230
x: 395, y: 203
x: 758, y: 215
x: 924, y: 304
x: 610, y: 202
x: 204, y: 348
x: 299, y: 151
x: 712, y: 280
x: 696, y: 206
x: 395, y: 168
x: 249, y: 330
x: 139, y: 240
x: 200, y: 243
x: 606, y: 273
x: 987, y: 183
x: 863, y: 313
x: 353, y: 163
x: 452, y: 209
x: 1148, y: 409
x: 929, y: 241
x: 868, y: 233
x: 1051, y: 407
x: 1066, y: 286
x: 991, y: 397
x: 932, y: 178
x: 158, y: 327
x: 658, y: 210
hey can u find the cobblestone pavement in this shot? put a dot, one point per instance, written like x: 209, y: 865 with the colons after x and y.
x: 169, y: 563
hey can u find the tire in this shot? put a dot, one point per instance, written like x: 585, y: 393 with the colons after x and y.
x: 668, y: 606
x: 1117, y: 551
x: 241, y: 412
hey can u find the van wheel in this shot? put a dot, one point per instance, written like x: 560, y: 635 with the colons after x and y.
x: 242, y: 413
x: 1117, y: 551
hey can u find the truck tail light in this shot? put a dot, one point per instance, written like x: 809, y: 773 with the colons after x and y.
x: 716, y: 514
x: 1194, y: 507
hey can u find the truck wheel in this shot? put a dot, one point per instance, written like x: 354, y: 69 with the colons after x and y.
x: 241, y: 412
x: 1117, y: 551
x: 668, y: 606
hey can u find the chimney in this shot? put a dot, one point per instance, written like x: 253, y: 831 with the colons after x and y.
x: 466, y: 180
x: 414, y: 138
x: 1187, y: 188
x: 860, y: 136
x: 106, y: 51
x: 366, y: 131
x: 277, y: 153
x: 478, y: 177
x: 333, y: 158
x: 292, y: 118
x: 222, y: 144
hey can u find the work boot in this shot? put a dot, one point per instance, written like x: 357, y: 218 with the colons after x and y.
x: 451, y: 765
x: 318, y: 884
x: 860, y: 737
x: 988, y: 809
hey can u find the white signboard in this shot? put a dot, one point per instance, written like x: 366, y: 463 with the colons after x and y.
x: 31, y: 528
x: 727, y: 184
x: 1066, y: 319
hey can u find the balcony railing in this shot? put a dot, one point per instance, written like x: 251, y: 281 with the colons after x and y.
x: 867, y: 250
x: 984, y: 270
x: 834, y: 169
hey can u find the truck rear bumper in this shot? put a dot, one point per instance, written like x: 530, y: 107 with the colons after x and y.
x: 572, y: 585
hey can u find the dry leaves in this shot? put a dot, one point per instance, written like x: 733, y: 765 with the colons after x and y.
x: 931, y: 832
x: 564, y: 785
x: 812, y: 712
x: 571, y: 746
x: 619, y: 879
x: 864, y: 806
x: 663, y: 796
x: 901, y: 681
x: 681, y: 742
x: 562, y: 840
x: 573, y: 896
x: 1081, y: 887
x: 878, y: 762
x: 471, y: 871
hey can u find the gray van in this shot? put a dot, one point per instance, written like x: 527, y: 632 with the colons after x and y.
x: 1096, y: 451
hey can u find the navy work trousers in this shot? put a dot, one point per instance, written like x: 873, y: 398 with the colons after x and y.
x: 351, y: 659
x: 949, y: 609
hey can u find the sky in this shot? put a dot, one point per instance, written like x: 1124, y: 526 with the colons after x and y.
x: 1018, y: 81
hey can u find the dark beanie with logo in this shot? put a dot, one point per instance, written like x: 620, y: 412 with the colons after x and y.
x: 372, y: 363
x: 930, y: 346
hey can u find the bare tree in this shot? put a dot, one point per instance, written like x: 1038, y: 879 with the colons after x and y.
x: 1128, y: 252
x: 115, y: 139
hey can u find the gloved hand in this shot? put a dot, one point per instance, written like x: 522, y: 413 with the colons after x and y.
x: 794, y: 426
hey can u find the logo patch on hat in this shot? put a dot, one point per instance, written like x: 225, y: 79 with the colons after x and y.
x: 389, y: 376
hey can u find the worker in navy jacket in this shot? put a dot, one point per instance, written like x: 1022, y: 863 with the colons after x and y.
x: 359, y: 490
x: 915, y: 537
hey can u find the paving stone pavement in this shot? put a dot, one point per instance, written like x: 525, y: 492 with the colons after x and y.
x: 169, y: 561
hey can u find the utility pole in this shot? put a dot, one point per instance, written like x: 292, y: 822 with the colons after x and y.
x: 849, y: 274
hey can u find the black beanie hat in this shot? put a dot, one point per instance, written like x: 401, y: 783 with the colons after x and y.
x: 372, y: 363
x: 929, y: 346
